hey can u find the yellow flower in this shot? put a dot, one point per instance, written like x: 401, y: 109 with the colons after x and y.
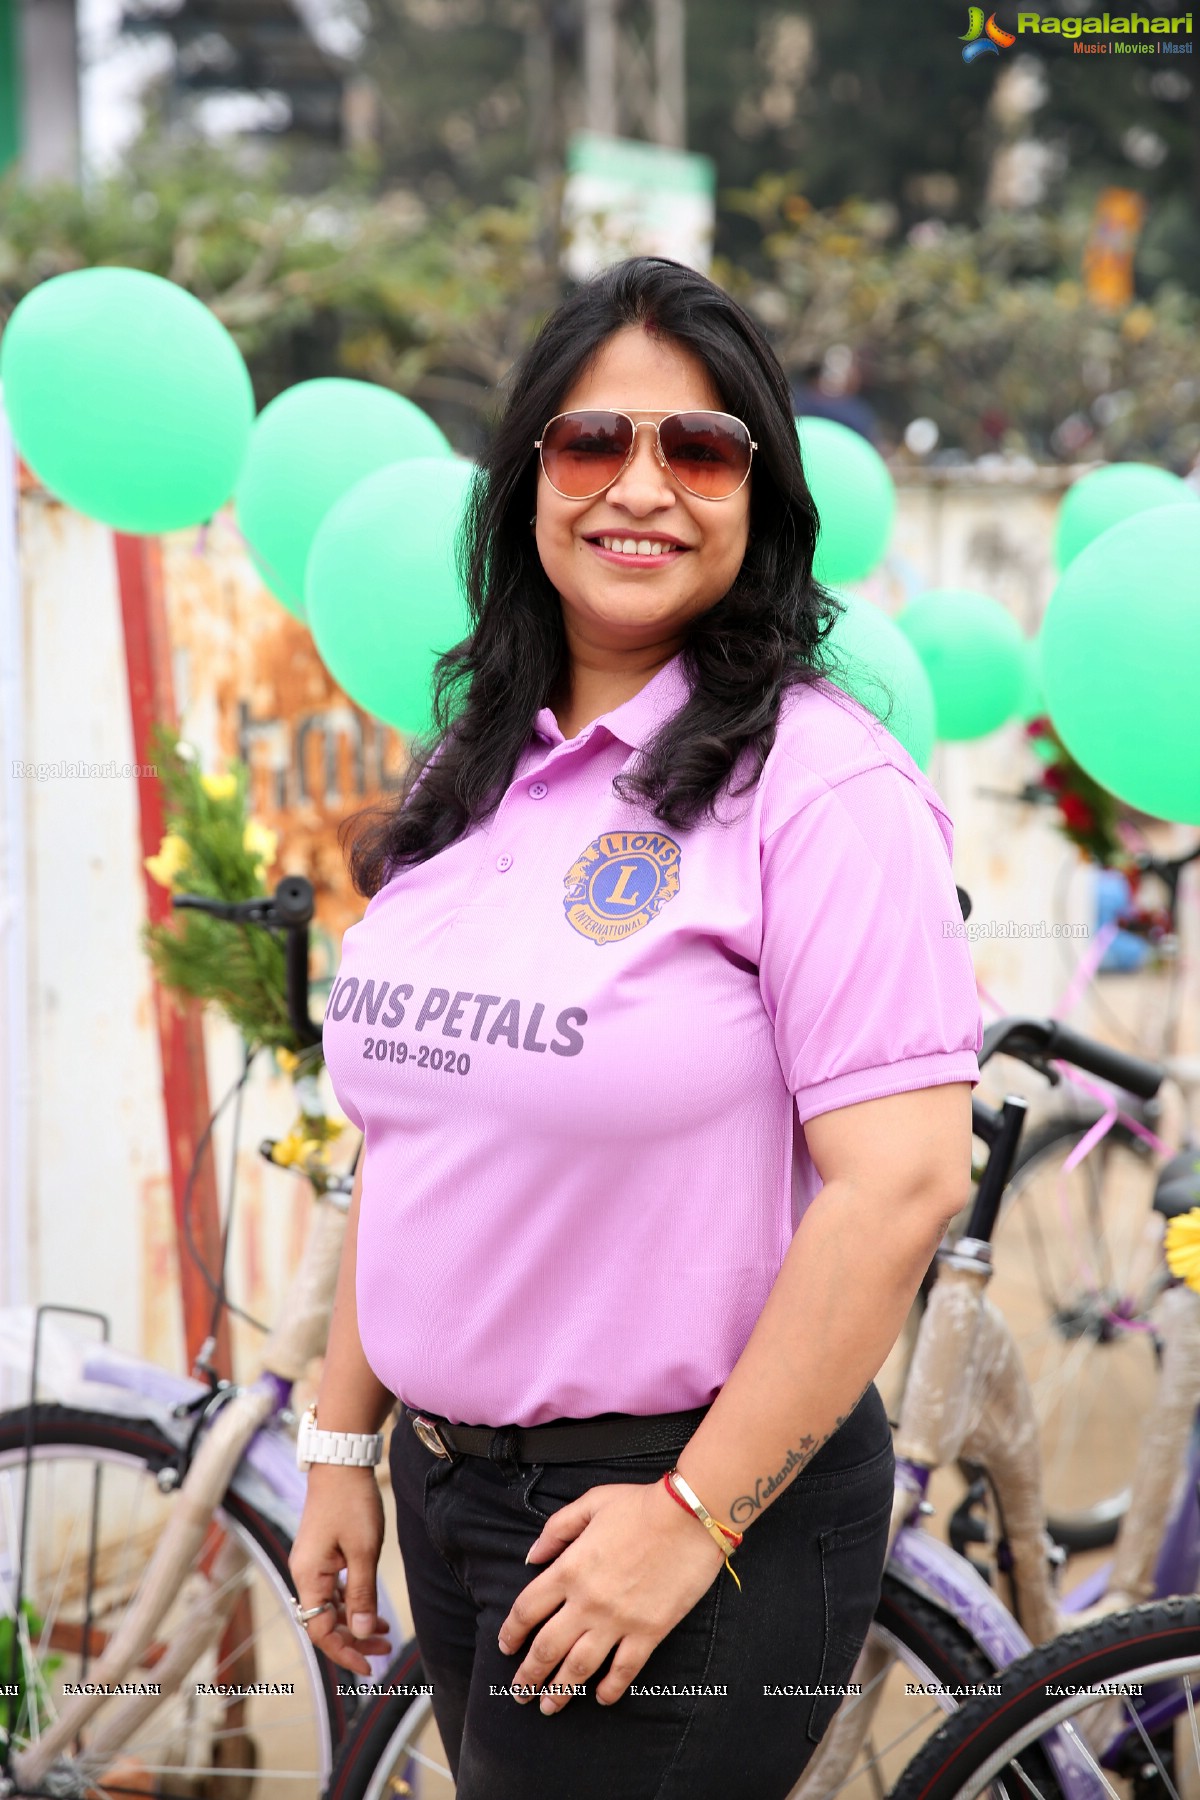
x: 173, y: 855
x: 219, y: 787
x: 1137, y: 324
x: 1183, y: 1247
x: 287, y: 1150
x: 287, y: 1059
x: 261, y: 842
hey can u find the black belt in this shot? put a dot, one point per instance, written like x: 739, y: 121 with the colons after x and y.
x: 565, y: 1441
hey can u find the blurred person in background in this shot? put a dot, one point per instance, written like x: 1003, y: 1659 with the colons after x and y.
x: 831, y: 390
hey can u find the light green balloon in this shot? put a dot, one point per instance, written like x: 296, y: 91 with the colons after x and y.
x: 382, y: 593
x: 310, y: 446
x: 128, y: 399
x: 855, y: 495
x: 878, y: 665
x: 1102, y: 499
x: 1121, y: 661
x: 974, y: 655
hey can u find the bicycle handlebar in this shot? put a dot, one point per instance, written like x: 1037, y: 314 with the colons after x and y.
x: 1040, y: 1041
x: 288, y: 909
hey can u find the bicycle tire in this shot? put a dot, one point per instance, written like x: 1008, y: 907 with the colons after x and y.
x: 1094, y: 1525
x: 932, y: 1644
x: 957, y: 1759
x: 382, y: 1727
x: 79, y: 1440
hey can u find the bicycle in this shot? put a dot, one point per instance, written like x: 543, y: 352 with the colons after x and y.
x: 152, y: 1524
x: 1113, y: 1702
x: 1079, y: 1275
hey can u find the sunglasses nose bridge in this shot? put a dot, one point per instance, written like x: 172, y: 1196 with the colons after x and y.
x: 633, y: 443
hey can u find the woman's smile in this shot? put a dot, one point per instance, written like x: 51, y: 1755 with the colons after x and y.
x: 643, y: 551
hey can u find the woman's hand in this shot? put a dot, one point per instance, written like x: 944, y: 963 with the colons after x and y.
x: 629, y: 1564
x: 341, y: 1528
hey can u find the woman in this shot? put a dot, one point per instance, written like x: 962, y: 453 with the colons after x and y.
x: 664, y: 1061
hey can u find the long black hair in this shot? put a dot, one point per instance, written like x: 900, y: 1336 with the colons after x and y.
x: 764, y: 636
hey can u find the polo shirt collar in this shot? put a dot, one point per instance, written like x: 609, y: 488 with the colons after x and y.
x: 637, y: 719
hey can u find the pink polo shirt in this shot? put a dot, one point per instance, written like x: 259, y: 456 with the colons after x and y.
x: 582, y: 1047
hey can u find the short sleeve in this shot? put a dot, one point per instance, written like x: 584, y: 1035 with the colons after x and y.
x: 864, y: 969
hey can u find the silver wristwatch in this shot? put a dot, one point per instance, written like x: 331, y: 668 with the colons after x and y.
x: 361, y: 1449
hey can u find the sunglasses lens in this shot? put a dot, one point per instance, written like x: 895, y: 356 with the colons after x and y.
x: 584, y: 452
x: 707, y: 453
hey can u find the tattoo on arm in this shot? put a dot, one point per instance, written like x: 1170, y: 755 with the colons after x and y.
x: 747, y: 1506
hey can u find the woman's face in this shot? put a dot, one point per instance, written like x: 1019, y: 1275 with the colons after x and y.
x: 612, y: 601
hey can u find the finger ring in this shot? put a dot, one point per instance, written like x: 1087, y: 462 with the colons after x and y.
x: 305, y: 1613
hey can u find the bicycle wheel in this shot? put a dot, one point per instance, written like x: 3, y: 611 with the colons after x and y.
x: 1077, y: 1268
x: 394, y: 1748
x: 1144, y: 1742
x: 95, y: 1512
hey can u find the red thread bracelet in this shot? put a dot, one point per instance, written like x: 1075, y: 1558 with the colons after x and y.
x: 734, y: 1538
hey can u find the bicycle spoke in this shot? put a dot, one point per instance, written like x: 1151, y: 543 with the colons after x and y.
x: 1191, y: 1707
x: 274, y: 1746
x: 1151, y: 1751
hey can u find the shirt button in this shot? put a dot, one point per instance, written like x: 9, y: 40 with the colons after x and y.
x: 538, y: 791
x: 503, y: 863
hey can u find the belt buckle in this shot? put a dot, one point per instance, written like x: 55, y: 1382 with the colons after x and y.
x: 429, y: 1435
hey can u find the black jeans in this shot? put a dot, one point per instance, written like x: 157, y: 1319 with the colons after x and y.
x: 810, y: 1569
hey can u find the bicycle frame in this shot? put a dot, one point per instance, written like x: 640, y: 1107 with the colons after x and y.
x: 967, y: 1397
x: 241, y: 1441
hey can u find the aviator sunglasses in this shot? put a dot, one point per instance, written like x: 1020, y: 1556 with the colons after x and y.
x: 583, y: 453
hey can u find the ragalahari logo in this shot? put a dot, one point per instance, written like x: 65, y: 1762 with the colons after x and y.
x: 982, y: 39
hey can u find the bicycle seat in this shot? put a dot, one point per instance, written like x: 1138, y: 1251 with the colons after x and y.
x: 1177, y: 1189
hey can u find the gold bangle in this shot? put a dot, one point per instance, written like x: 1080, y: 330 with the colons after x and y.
x: 726, y: 1539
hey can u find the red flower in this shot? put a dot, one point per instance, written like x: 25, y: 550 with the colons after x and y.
x: 1077, y: 813
x: 1055, y: 778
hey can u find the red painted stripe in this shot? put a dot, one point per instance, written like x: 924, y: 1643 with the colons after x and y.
x: 180, y: 1029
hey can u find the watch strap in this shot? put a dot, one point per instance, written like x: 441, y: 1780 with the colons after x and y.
x: 350, y: 1449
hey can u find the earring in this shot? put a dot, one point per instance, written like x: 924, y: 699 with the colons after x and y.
x: 533, y: 523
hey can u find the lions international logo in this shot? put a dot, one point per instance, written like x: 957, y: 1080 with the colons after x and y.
x: 621, y: 881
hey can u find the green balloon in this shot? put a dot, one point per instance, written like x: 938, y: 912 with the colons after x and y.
x: 854, y: 494
x: 128, y: 399
x: 1102, y: 499
x: 974, y: 655
x: 311, y: 445
x: 1032, y: 701
x: 382, y: 592
x: 876, y: 666
x: 1121, y: 661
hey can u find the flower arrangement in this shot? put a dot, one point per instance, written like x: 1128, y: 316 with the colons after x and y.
x: 211, y: 847
x: 1088, y: 814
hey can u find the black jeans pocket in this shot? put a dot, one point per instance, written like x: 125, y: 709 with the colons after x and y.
x: 852, y: 1562
x: 548, y: 1487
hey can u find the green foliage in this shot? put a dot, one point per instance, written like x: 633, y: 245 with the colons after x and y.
x: 212, y: 849
x: 434, y: 303
x: 21, y: 1705
x: 987, y: 331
